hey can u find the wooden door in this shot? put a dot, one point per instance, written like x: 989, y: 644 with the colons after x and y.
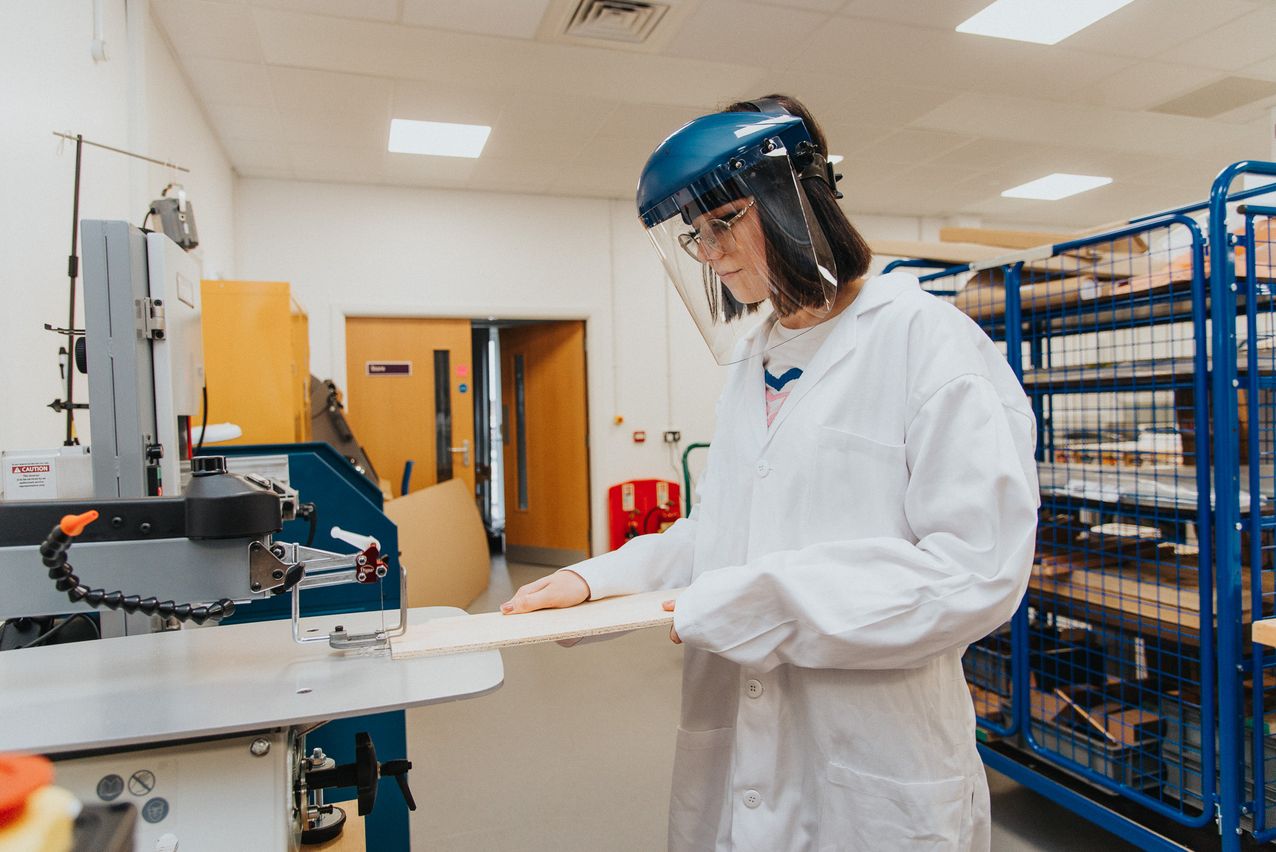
x: 411, y: 397
x: 546, y: 455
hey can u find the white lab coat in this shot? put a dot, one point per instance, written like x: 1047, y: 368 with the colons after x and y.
x: 837, y: 566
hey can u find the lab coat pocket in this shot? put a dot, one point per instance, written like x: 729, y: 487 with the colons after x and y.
x: 862, y: 811
x: 700, y: 769
x: 857, y: 489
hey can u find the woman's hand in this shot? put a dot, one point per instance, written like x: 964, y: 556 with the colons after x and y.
x: 668, y: 606
x: 561, y: 589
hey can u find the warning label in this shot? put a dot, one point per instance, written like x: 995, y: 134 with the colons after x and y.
x: 30, y: 480
x: 31, y: 468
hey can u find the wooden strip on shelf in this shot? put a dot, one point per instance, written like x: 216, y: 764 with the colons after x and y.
x: 463, y: 634
x: 1265, y: 632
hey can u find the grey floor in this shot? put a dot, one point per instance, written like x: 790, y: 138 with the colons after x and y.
x: 574, y: 753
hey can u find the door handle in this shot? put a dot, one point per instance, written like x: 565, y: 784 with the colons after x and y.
x: 464, y: 449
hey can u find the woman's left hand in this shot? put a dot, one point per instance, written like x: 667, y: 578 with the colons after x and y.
x: 667, y: 606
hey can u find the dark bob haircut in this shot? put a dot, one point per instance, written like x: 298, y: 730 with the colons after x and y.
x: 851, y: 254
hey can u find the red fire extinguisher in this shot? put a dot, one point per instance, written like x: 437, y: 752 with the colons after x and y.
x: 640, y: 507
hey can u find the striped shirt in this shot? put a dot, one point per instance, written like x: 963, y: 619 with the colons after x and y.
x: 789, y: 350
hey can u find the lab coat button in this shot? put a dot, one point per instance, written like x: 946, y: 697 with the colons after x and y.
x: 763, y: 468
x: 753, y: 687
x: 752, y: 798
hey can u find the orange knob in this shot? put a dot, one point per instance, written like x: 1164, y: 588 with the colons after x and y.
x: 73, y: 525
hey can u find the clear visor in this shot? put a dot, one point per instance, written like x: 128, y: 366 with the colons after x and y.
x: 745, y: 248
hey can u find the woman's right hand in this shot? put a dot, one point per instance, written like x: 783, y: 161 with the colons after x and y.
x: 563, y: 588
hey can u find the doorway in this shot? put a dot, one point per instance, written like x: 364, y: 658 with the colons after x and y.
x: 501, y: 404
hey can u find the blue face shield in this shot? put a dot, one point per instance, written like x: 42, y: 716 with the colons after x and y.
x: 724, y: 206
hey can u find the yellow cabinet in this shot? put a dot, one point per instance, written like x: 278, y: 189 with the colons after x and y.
x: 257, y: 360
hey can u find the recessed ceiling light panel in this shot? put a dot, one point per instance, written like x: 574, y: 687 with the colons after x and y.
x: 1056, y: 186
x: 437, y: 138
x: 1038, y: 21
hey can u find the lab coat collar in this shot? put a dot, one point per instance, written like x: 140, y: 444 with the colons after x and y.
x: 876, y: 292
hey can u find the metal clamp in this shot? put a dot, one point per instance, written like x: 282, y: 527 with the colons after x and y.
x: 341, y: 639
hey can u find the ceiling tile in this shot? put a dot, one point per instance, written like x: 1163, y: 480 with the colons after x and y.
x: 1148, y: 28
x: 356, y: 164
x: 623, y: 153
x: 939, y: 59
x: 648, y: 121
x: 512, y: 175
x: 835, y: 104
x: 366, y: 10
x: 249, y: 155
x: 1145, y: 85
x: 1033, y: 122
x: 415, y: 170
x: 937, y: 14
x: 535, y: 128
x: 304, y: 89
x: 457, y: 104
x: 461, y: 59
x: 209, y: 30
x: 217, y: 81
x: 981, y: 154
x: 861, y: 176
x: 913, y: 146
x: 811, y: 5
x: 1243, y: 41
x: 335, y: 127
x: 596, y: 182
x: 1265, y: 69
x: 484, y: 17
x: 253, y: 123
x: 265, y: 174
x: 750, y: 29
x: 325, y: 108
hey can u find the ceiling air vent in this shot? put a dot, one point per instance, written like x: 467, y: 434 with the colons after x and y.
x: 626, y: 21
x: 1217, y: 98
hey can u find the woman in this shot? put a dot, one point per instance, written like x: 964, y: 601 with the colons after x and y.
x: 868, y: 509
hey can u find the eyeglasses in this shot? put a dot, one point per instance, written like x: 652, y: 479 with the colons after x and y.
x: 713, y: 237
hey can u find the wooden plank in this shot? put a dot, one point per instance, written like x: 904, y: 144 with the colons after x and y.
x: 1002, y: 238
x: 488, y: 630
x: 1081, y: 587
x: 1265, y: 632
x: 947, y: 252
x: 1032, y: 239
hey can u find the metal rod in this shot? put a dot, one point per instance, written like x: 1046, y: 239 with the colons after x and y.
x: 81, y: 140
x: 73, y: 271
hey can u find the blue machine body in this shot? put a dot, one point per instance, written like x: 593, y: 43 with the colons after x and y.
x: 343, y: 497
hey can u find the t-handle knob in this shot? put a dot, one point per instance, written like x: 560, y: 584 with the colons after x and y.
x: 398, y: 769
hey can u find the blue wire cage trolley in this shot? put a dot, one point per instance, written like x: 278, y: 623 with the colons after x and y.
x: 1126, y: 686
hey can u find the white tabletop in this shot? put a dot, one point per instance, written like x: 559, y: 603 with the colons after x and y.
x: 218, y: 680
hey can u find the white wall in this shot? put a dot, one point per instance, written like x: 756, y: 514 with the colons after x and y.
x: 374, y: 250
x: 135, y: 100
